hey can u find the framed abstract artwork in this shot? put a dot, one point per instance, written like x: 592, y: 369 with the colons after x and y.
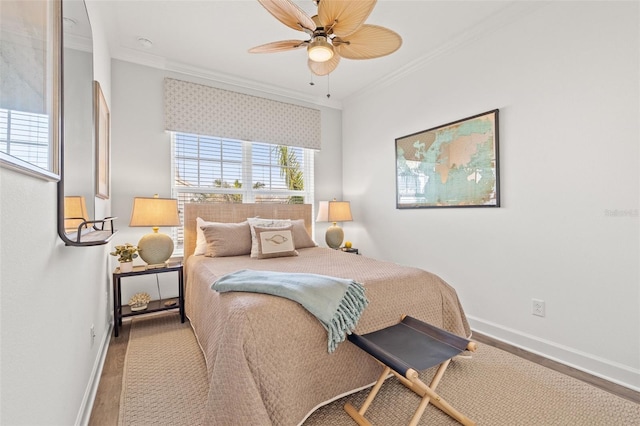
x: 102, y: 142
x: 452, y: 165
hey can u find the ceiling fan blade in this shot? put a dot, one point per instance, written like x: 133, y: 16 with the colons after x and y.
x: 344, y: 17
x: 278, y: 46
x: 289, y: 14
x: 324, y: 68
x: 370, y: 41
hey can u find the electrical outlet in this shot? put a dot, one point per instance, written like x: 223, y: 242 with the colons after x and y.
x: 537, y: 307
x: 93, y: 334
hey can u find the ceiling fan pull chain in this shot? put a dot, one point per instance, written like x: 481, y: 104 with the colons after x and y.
x: 311, y: 83
x: 328, y: 87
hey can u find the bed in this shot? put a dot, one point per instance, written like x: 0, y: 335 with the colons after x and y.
x: 266, y: 356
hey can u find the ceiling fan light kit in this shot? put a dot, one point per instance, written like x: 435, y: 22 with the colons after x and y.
x: 338, y: 30
x: 319, y: 50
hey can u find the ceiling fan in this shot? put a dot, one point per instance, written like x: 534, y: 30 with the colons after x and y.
x: 338, y: 30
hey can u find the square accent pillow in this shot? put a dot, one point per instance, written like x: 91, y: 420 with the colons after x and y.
x: 227, y: 239
x: 263, y: 223
x: 301, y: 236
x: 275, y: 242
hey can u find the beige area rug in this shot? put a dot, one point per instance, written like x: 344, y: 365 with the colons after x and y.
x: 164, y: 380
x: 164, y: 384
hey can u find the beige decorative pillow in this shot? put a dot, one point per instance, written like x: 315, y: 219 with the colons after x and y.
x: 275, y: 242
x: 263, y: 223
x: 201, y: 241
x: 227, y: 239
x: 301, y: 236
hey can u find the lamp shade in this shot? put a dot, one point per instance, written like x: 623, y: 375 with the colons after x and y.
x: 154, y: 212
x: 334, y: 211
x: 75, y: 212
x: 155, y: 248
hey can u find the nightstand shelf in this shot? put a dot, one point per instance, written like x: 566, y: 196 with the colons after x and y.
x: 153, y: 306
x: 121, y: 311
x: 350, y: 250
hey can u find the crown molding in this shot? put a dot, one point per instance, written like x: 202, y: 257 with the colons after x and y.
x: 252, y: 85
x: 138, y: 57
x: 76, y: 42
x: 158, y: 62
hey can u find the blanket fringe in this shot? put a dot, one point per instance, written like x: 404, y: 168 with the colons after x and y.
x: 347, y: 315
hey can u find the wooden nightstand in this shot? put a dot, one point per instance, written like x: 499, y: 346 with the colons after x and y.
x: 120, y: 311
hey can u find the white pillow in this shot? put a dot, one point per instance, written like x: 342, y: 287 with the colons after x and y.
x: 263, y: 223
x: 201, y: 240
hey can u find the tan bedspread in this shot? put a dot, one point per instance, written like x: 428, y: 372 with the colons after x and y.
x: 267, y: 356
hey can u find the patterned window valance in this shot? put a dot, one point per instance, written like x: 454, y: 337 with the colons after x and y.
x: 205, y: 110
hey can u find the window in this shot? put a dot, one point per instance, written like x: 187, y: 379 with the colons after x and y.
x: 30, y: 89
x: 214, y: 170
x: 25, y: 135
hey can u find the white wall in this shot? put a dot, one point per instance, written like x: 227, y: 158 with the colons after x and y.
x: 141, y: 154
x: 565, y: 79
x: 50, y: 296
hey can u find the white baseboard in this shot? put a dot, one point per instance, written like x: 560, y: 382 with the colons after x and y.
x: 600, y: 367
x: 84, y: 414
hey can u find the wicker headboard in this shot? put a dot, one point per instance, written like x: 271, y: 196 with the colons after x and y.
x: 232, y: 213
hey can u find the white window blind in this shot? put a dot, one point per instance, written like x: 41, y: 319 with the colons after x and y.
x: 217, y: 170
x: 25, y: 135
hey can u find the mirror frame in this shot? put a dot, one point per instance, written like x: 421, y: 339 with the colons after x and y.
x: 89, y: 232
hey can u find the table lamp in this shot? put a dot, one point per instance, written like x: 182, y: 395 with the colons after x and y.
x: 155, y: 248
x: 334, y: 211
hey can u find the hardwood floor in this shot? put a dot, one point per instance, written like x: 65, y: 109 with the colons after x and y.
x: 606, y: 385
x: 106, y: 407
x: 107, y: 403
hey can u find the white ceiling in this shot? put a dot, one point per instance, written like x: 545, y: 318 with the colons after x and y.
x: 210, y: 38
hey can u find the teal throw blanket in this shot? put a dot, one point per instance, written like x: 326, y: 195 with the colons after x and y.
x: 336, y: 302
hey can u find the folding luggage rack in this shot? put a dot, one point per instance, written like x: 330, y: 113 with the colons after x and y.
x: 405, y: 349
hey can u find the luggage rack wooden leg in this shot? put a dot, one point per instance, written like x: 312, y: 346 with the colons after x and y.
x: 358, y: 415
x: 427, y: 393
x: 410, y: 379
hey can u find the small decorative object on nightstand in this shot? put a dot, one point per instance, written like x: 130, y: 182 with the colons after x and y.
x: 139, y: 302
x: 126, y: 253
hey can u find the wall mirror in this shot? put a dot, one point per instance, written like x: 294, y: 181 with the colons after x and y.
x: 29, y: 87
x: 76, y: 188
